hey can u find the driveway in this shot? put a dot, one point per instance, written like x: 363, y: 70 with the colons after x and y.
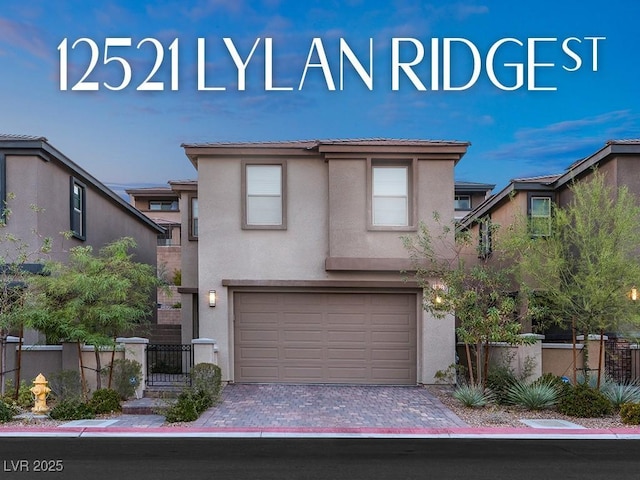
x: 328, y: 406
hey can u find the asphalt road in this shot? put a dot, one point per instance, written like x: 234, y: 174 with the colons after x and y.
x: 339, y: 459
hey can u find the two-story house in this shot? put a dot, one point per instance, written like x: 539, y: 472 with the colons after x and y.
x: 300, y: 272
x: 47, y: 193
x: 618, y: 160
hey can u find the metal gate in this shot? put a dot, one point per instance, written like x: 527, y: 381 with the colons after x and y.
x: 622, y: 360
x: 169, y: 365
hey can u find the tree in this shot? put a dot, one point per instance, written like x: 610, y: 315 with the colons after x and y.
x: 93, y: 298
x: 18, y: 263
x: 588, y: 263
x: 480, y: 295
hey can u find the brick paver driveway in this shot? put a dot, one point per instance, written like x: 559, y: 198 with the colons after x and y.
x: 328, y: 406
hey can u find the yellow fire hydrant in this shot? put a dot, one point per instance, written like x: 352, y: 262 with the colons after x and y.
x: 40, y: 392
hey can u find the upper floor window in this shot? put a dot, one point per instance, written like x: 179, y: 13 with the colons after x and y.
x: 166, y: 205
x: 462, y: 202
x: 193, y: 218
x: 390, y: 195
x: 264, y: 191
x: 78, y: 209
x: 540, y: 216
x: 485, y: 246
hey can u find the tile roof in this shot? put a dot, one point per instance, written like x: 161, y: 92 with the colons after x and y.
x: 315, y: 143
x: 11, y: 137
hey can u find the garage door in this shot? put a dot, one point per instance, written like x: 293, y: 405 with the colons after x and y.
x: 359, y: 338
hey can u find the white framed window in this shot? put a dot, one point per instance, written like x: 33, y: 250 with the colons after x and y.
x: 193, y: 218
x: 77, y: 209
x: 163, y: 205
x: 390, y: 203
x: 264, y: 196
x: 540, y: 216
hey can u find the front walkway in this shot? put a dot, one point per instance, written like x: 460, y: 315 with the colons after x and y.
x: 327, y: 406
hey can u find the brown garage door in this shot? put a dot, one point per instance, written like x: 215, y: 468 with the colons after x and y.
x: 325, y: 338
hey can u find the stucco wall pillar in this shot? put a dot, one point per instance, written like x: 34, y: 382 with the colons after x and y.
x: 205, y: 350
x: 135, y: 348
x: 438, y: 345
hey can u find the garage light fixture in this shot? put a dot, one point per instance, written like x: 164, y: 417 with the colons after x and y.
x: 212, y: 298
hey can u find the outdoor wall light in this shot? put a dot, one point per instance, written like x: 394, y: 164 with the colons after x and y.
x: 212, y: 298
x: 633, y: 294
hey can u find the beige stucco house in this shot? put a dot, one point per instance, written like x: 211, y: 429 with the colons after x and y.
x: 294, y: 261
x: 47, y: 193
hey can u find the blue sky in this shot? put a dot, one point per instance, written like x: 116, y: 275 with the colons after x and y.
x: 128, y: 137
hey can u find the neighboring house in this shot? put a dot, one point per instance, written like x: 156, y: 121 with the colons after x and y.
x: 533, y: 197
x: 468, y: 195
x: 298, y: 269
x: 162, y: 205
x: 33, y: 173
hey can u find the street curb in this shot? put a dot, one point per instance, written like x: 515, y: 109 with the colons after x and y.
x: 311, y: 432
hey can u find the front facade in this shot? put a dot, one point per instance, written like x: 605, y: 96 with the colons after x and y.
x: 300, y: 244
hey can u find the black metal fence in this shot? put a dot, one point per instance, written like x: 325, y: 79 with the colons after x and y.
x: 622, y: 360
x: 169, y: 365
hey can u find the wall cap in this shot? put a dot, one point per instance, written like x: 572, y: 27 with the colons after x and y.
x: 132, y: 340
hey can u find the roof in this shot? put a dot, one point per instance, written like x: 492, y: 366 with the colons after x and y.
x: 151, y: 191
x: 40, y: 146
x: 309, y: 144
x: 473, y: 186
x: 331, y: 147
x: 518, y: 184
x: 553, y: 182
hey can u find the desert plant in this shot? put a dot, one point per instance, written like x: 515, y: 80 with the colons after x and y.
x: 619, y: 394
x: 126, y: 375
x: 188, y: 407
x: 500, y: 379
x: 473, y: 396
x: 71, y: 409
x: 630, y: 413
x: 7, y: 411
x: 533, y: 396
x: 25, y: 397
x: 66, y: 385
x: 207, y: 377
x: 584, y: 401
x: 105, y: 400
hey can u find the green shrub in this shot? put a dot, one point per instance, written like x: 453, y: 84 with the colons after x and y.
x: 66, y: 385
x: 619, y: 394
x: 207, y: 377
x: 105, y: 400
x: 71, y: 409
x: 7, y: 411
x: 188, y: 407
x: 534, y: 396
x: 25, y: 397
x: 126, y: 376
x: 499, y: 380
x: 584, y: 401
x: 473, y: 396
x: 630, y: 413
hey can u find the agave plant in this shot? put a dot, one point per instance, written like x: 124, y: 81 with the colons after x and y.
x: 534, y: 396
x: 619, y: 394
x: 473, y: 396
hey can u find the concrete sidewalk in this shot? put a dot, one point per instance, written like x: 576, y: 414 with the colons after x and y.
x: 273, y: 410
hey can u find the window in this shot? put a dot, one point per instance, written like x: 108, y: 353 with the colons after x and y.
x: 390, y: 195
x: 193, y: 218
x: 166, y: 205
x: 78, y: 209
x: 164, y: 239
x: 264, y: 196
x: 484, y: 238
x: 540, y: 216
x: 462, y: 202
